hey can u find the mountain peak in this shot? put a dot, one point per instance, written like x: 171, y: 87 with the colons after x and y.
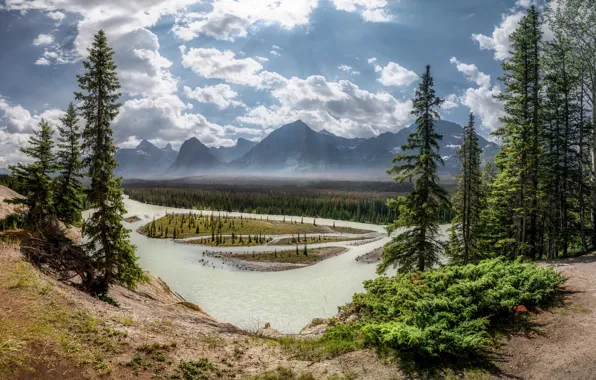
x: 326, y: 132
x: 144, y: 145
x: 168, y: 148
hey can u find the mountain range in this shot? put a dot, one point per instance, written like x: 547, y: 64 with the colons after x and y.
x: 293, y: 149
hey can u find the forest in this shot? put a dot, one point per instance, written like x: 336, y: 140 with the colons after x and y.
x: 358, y: 206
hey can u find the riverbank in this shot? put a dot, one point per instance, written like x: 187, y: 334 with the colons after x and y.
x: 279, y: 261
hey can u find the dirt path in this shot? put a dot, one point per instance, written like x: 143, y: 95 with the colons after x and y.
x: 565, y: 346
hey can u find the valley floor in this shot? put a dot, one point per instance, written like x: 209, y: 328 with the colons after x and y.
x: 49, y: 330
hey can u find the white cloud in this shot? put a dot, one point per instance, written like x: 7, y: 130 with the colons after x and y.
x: 217, y: 64
x: 370, y: 10
x: 56, y: 16
x: 472, y: 73
x: 165, y: 118
x: 481, y: 100
x: 262, y: 59
x: 451, y: 101
x: 221, y: 95
x: 17, y: 119
x: 395, y: 75
x: 499, y: 40
x: 213, y: 63
x: 348, y: 69
x: 341, y: 107
x: 372, y: 60
x: 274, y: 53
x: 126, y: 25
x: 43, y: 39
x: 43, y: 61
x: 230, y: 19
x: 377, y: 15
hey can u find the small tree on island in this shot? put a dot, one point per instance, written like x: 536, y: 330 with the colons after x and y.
x: 419, y: 246
x: 108, y: 242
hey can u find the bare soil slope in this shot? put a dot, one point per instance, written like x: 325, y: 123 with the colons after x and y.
x: 5, y: 208
x: 564, y: 347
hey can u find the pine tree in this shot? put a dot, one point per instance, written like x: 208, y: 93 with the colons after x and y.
x: 34, y: 177
x: 68, y: 189
x: 419, y: 246
x: 107, y: 239
x: 468, y: 201
x: 516, y: 187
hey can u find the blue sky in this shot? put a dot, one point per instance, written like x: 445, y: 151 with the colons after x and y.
x: 224, y: 69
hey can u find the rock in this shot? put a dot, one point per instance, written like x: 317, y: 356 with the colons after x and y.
x: 352, y: 318
x: 268, y: 332
x: 316, y: 327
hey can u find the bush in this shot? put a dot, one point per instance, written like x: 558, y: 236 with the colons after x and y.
x: 451, y: 311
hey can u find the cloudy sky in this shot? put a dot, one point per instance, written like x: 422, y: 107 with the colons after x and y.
x: 223, y: 69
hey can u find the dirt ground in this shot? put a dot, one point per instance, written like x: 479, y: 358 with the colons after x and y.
x: 565, y: 345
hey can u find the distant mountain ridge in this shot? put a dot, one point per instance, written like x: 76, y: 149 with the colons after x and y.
x: 229, y: 154
x: 145, y: 159
x: 296, y: 149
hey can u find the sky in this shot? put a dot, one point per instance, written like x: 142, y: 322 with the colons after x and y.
x: 223, y: 69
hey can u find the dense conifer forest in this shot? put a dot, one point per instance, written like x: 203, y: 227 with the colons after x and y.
x: 358, y: 206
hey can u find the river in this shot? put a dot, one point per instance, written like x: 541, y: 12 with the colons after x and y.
x: 288, y: 300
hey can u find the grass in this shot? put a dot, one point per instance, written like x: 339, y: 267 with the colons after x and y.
x: 290, y: 257
x: 195, y: 225
x: 282, y: 373
x: 37, y: 316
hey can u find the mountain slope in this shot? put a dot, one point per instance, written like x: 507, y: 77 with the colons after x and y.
x: 194, y: 158
x: 229, y: 154
x: 292, y: 148
x: 378, y: 152
x: 146, y: 159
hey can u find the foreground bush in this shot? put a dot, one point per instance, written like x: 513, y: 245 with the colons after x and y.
x: 451, y: 311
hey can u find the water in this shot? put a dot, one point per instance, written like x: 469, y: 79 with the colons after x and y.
x: 288, y: 300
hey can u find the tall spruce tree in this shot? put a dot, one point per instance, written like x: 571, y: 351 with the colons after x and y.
x: 107, y: 239
x: 575, y: 20
x: 34, y: 177
x: 68, y: 189
x: 419, y: 246
x: 517, y: 184
x: 468, y: 201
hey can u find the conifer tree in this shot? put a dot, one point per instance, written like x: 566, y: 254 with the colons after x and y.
x: 468, y: 201
x: 34, y: 177
x: 107, y: 239
x: 419, y: 246
x: 576, y: 20
x: 517, y: 185
x: 68, y: 189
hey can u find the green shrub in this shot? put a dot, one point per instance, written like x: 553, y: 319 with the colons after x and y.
x: 451, y: 311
